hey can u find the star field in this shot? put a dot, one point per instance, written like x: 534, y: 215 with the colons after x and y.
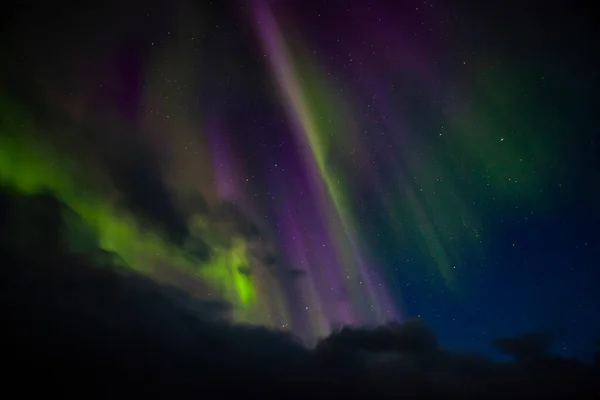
x: 338, y: 163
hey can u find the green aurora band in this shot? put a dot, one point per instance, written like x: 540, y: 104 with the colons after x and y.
x: 31, y: 166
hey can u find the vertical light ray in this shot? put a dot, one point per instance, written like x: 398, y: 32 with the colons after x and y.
x: 314, y: 139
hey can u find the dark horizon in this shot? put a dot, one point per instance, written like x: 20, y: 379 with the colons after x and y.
x: 76, y: 323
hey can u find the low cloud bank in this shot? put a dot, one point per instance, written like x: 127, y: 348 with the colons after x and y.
x: 75, y: 325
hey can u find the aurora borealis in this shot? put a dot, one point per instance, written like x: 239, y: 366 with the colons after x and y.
x: 348, y: 163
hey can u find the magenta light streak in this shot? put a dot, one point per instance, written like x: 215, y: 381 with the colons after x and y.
x: 328, y: 244
x: 317, y: 261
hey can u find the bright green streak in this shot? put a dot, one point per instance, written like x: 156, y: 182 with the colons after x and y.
x: 31, y: 167
x: 320, y: 122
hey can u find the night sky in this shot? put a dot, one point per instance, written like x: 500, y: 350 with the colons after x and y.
x: 314, y: 164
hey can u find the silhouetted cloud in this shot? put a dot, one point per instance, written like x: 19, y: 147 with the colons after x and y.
x: 409, y: 337
x: 68, y: 322
x: 526, y: 347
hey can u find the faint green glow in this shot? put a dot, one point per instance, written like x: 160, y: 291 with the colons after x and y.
x: 504, y: 137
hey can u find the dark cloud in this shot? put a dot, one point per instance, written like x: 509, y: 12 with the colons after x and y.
x: 409, y: 337
x: 31, y: 222
x: 234, y: 221
x: 137, y: 177
x: 526, y: 347
x: 231, y: 221
x: 197, y: 248
x: 194, y: 203
x: 97, y: 328
x: 297, y: 273
x: 270, y: 259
